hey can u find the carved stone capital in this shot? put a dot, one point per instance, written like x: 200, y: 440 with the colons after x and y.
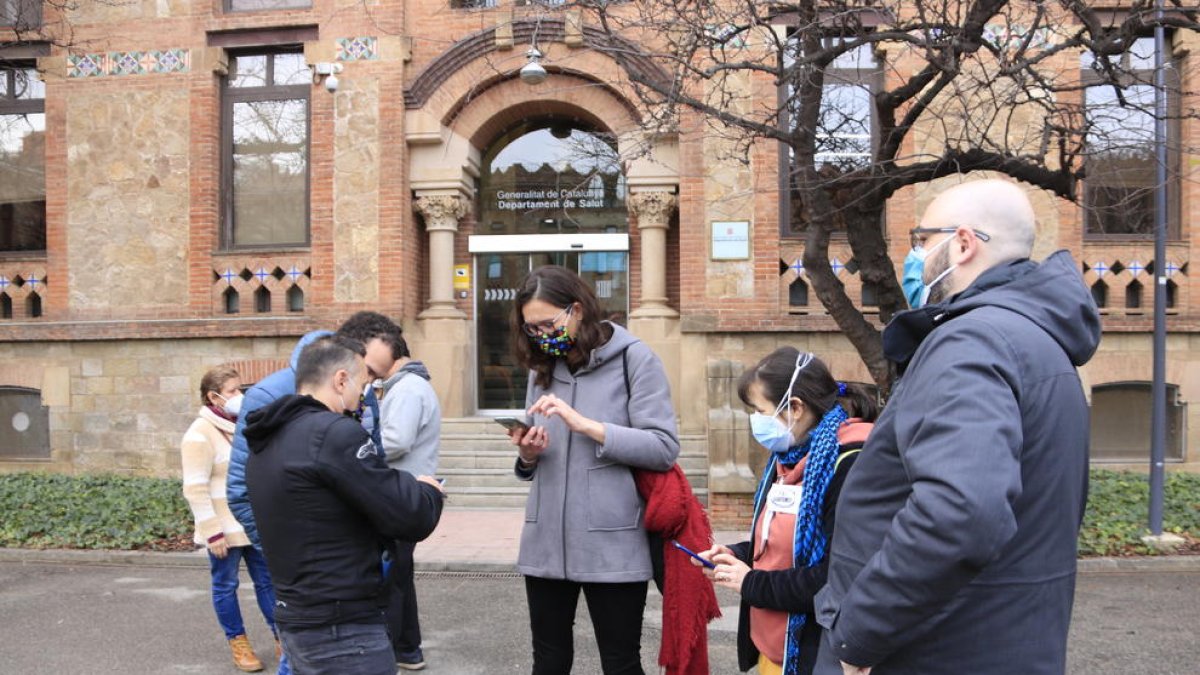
x: 441, y: 212
x: 653, y: 209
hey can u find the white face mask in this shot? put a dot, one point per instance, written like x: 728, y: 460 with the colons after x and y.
x: 233, y: 404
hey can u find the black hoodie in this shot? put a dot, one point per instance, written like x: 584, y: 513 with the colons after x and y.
x: 326, y: 505
x: 956, y: 533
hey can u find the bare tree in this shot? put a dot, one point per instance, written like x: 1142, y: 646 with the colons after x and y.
x: 878, y: 95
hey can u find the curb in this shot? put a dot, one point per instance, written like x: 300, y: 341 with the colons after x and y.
x: 1156, y: 564
x: 117, y: 558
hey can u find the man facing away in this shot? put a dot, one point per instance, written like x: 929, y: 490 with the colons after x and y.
x: 956, y: 543
x: 326, y: 506
x: 411, y: 423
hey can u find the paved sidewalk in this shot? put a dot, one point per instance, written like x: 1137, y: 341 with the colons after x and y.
x: 486, y: 541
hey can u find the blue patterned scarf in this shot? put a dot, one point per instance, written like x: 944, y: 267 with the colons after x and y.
x: 821, y: 448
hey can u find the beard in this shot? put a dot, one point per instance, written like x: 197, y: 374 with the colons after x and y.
x: 934, y: 268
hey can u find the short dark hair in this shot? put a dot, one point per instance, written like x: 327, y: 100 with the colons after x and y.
x: 400, y: 350
x: 326, y: 356
x: 366, y: 326
x: 560, y: 287
x: 814, y: 385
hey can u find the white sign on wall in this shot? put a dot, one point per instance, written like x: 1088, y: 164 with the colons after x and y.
x: 730, y: 240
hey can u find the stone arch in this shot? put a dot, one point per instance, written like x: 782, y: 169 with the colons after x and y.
x: 1117, y: 368
x: 507, y: 103
x: 550, y: 34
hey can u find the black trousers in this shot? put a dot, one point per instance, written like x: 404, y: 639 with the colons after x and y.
x: 403, y: 624
x: 616, y: 612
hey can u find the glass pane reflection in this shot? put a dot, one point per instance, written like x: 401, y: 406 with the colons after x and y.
x: 270, y: 169
x: 248, y: 71
x: 23, y: 182
x: 554, y: 180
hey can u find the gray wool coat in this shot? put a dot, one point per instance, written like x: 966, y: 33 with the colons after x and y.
x: 583, y: 518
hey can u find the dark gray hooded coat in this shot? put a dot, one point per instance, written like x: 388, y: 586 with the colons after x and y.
x: 956, y: 536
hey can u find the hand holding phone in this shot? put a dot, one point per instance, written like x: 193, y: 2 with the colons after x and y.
x: 707, y: 563
x: 512, y: 423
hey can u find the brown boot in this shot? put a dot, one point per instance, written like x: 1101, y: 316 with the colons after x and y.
x: 243, y: 655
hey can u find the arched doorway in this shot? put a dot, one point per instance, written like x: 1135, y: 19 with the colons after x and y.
x: 552, y: 192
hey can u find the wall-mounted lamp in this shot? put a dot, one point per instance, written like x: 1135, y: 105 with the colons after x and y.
x: 328, y: 71
x: 533, y: 72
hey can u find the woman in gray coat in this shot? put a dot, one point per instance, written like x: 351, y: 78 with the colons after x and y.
x: 599, y: 406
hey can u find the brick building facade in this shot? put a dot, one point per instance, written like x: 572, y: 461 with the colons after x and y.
x: 207, y: 198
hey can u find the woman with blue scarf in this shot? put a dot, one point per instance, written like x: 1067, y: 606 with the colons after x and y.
x: 813, y: 426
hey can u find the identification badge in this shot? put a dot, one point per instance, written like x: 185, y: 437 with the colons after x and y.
x: 785, y: 498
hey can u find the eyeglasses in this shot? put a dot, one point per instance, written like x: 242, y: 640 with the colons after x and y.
x: 919, y: 234
x: 544, y: 327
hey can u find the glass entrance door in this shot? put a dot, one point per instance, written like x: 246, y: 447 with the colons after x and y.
x: 501, y: 381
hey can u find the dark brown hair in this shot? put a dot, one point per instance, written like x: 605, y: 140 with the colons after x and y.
x: 214, y: 380
x: 366, y: 326
x: 814, y: 385
x: 560, y: 287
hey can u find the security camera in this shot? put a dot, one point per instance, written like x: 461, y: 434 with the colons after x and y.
x: 331, y: 83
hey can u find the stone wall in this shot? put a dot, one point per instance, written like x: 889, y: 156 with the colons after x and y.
x: 127, y: 198
x: 122, y: 406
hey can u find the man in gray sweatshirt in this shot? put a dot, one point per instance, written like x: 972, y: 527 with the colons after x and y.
x: 411, y: 421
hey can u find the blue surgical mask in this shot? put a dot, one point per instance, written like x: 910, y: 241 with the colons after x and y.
x: 770, y: 433
x: 769, y: 430
x: 915, y: 288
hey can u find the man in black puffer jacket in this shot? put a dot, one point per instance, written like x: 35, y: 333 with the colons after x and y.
x: 327, y: 504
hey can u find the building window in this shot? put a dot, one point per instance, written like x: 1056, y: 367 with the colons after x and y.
x: 262, y: 5
x: 1121, y: 422
x: 474, y: 4
x: 24, y: 424
x: 1120, y: 146
x: 846, y: 129
x: 20, y: 14
x: 22, y: 158
x: 265, y: 126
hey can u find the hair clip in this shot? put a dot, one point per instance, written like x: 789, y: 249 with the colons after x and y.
x: 841, y: 388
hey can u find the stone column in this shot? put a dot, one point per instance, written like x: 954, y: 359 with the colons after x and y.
x: 442, y: 213
x: 653, y: 209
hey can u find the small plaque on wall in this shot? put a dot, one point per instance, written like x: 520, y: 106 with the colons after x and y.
x: 730, y: 240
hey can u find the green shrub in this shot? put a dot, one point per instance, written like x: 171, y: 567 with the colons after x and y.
x: 1119, y: 506
x: 100, y: 511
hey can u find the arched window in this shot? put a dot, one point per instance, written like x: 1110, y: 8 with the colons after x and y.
x: 798, y: 293
x: 1121, y: 422
x: 24, y: 424
x: 550, y: 176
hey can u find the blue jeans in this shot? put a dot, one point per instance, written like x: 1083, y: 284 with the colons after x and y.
x: 225, y: 587
x: 340, y: 649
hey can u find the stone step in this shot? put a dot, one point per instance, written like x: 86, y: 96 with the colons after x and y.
x: 506, y: 498
x: 503, y: 459
x: 504, y: 478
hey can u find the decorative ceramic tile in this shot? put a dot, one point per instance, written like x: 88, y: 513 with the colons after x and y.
x: 172, y: 61
x: 357, y: 49
x: 129, y: 63
x: 86, y: 65
x: 125, y: 63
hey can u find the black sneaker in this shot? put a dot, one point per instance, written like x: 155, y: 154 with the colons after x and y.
x: 413, y: 660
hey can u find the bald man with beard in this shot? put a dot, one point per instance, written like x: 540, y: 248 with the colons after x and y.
x: 956, y: 542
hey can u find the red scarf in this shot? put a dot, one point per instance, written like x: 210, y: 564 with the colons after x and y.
x: 689, y: 601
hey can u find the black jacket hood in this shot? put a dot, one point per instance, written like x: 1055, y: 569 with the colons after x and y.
x: 265, y: 422
x: 1051, y: 294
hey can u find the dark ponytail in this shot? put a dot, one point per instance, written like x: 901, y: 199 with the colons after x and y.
x: 815, y: 385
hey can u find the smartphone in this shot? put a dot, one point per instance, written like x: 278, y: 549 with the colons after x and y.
x: 511, y: 423
x: 707, y: 563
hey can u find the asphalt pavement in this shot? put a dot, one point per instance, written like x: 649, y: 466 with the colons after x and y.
x: 144, y: 618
